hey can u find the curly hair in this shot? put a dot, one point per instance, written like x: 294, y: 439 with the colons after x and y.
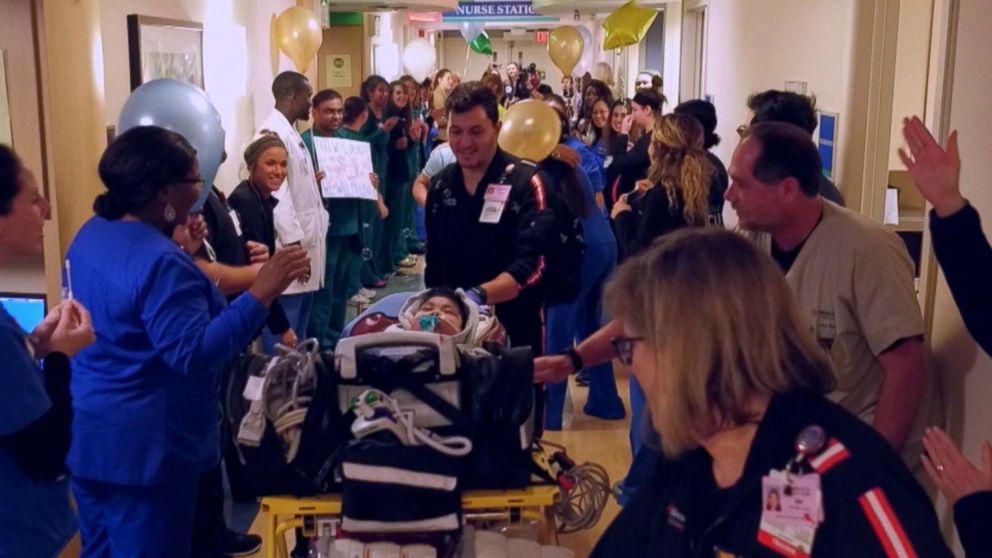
x: 680, y: 166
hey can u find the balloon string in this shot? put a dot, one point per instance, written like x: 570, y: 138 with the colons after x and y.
x: 468, y: 52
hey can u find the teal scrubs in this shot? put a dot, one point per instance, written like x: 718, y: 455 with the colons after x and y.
x: 379, y: 266
x: 343, y: 262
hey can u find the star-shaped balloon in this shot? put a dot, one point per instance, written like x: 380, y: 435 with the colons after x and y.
x: 627, y: 25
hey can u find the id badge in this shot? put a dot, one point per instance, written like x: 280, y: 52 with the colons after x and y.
x: 495, y: 202
x: 236, y: 221
x: 791, y: 512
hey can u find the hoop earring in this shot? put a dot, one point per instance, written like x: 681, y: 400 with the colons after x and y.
x: 169, y: 214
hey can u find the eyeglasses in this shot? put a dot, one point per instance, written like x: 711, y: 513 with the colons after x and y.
x: 741, y: 130
x: 624, y: 348
x: 197, y: 180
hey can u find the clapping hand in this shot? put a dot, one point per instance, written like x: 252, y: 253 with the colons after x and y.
x: 390, y: 123
x: 620, y: 206
x: 936, y: 171
x: 258, y: 253
x: 950, y: 470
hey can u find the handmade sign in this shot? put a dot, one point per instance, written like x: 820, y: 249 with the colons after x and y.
x: 347, y: 166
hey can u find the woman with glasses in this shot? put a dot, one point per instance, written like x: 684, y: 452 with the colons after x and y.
x: 145, y: 424
x: 735, y: 384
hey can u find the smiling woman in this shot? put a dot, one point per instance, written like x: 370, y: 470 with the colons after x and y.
x: 36, y: 517
x: 144, y: 395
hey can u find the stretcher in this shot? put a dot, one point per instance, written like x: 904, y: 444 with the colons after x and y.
x: 533, y: 503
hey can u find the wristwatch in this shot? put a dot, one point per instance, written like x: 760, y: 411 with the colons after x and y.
x: 576, y: 358
x: 481, y: 293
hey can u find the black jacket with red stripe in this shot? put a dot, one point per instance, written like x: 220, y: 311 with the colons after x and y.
x: 463, y: 252
x: 873, y: 506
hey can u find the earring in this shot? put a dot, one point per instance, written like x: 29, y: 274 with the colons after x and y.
x: 170, y: 214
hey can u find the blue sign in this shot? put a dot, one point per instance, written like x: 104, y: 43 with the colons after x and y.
x: 826, y: 141
x: 497, y: 11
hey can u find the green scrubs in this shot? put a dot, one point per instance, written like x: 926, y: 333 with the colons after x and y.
x: 377, y: 267
x: 342, y: 264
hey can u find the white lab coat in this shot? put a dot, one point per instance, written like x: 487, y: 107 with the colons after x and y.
x: 300, y: 215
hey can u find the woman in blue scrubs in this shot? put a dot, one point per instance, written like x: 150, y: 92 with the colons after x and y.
x: 569, y: 324
x: 35, y: 406
x: 145, y: 394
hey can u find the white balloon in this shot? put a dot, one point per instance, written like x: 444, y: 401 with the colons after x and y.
x: 419, y: 58
x: 471, y: 30
x: 586, y: 63
x: 586, y: 38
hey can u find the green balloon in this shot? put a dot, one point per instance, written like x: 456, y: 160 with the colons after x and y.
x: 482, y: 44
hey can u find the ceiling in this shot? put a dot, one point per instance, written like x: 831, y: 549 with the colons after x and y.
x: 569, y: 7
x: 394, y: 5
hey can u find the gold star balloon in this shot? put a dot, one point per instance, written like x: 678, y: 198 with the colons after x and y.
x: 627, y: 25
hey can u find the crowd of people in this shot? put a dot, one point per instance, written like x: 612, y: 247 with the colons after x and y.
x: 793, y: 344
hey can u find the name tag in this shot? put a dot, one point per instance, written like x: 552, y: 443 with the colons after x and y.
x: 236, y: 221
x: 791, y: 512
x: 495, y: 202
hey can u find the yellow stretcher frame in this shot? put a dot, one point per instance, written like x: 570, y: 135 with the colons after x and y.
x: 533, y: 503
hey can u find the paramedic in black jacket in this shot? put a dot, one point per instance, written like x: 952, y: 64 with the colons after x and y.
x: 735, y: 383
x: 966, y: 258
x: 488, y: 220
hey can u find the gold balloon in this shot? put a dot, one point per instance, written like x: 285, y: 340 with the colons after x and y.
x: 531, y: 130
x: 565, y: 47
x: 627, y: 25
x: 298, y: 34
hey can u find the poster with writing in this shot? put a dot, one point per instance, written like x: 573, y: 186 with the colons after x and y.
x: 347, y: 165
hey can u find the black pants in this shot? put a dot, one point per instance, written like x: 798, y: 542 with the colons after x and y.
x: 208, y: 520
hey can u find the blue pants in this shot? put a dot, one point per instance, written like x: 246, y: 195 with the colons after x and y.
x: 571, y: 323
x: 645, y: 456
x: 121, y: 521
x: 297, y: 308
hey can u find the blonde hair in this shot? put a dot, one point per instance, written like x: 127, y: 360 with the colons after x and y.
x: 723, y: 326
x: 679, y: 165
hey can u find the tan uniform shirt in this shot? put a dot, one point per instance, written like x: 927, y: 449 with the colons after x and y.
x: 853, y: 279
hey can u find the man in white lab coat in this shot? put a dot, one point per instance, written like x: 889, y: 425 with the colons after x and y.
x: 300, y: 217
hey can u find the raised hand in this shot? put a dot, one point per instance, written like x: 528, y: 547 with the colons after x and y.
x: 936, y: 171
x: 950, y: 470
x: 286, y: 265
x: 191, y: 234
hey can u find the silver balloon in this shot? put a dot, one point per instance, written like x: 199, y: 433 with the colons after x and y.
x: 471, y: 30
x: 185, y: 109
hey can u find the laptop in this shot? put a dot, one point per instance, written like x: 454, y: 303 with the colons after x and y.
x: 27, y: 309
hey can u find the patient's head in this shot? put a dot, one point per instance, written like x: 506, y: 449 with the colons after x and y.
x: 441, y: 311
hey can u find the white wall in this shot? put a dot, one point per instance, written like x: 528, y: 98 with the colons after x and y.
x: 967, y: 371
x: 760, y: 44
x: 239, y: 62
x: 912, y: 57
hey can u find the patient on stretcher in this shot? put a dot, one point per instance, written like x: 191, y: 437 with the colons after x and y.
x: 449, y: 312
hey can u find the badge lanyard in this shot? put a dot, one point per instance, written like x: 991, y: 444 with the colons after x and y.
x: 495, y: 199
x: 792, y: 502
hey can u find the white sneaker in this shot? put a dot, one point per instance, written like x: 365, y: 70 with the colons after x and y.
x: 367, y: 293
x: 358, y: 299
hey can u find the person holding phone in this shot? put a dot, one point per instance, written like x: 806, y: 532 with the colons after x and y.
x: 36, y: 518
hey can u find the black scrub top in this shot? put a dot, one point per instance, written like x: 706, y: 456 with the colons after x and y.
x: 464, y: 253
